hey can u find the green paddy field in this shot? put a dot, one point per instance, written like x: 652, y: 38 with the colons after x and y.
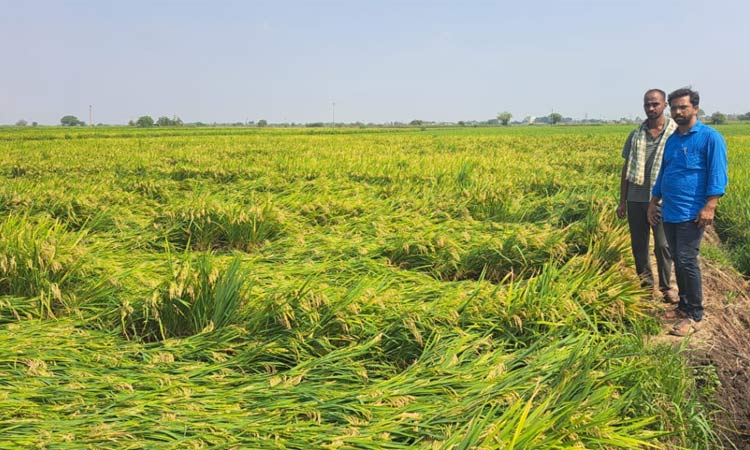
x: 240, y: 288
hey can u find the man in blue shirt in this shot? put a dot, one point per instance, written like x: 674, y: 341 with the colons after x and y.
x: 692, y: 177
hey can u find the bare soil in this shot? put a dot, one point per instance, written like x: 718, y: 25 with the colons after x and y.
x: 724, y: 343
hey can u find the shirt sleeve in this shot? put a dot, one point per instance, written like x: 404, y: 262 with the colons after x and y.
x: 716, y: 165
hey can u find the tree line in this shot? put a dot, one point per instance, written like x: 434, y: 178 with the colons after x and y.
x: 163, y: 121
x: 504, y: 118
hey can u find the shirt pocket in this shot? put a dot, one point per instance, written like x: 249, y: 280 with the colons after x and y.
x: 693, y: 159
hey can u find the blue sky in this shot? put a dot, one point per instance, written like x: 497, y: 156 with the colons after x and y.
x: 289, y: 61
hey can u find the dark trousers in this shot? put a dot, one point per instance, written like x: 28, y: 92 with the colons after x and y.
x: 640, y: 233
x: 685, y: 241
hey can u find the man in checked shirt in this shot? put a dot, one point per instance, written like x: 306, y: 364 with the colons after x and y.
x: 642, y: 153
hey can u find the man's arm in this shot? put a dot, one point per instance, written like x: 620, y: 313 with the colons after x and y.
x: 652, y: 214
x: 621, y: 207
x: 716, y: 180
x: 716, y: 165
x: 706, y: 215
x: 621, y: 204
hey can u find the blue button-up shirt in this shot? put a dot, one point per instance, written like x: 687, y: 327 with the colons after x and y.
x: 694, y: 167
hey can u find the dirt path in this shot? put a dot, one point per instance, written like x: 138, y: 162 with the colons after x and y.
x: 724, y: 342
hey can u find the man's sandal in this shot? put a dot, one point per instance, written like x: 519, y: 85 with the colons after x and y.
x: 686, y: 327
x: 671, y: 296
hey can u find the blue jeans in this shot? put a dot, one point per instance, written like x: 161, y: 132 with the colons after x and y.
x: 685, y: 241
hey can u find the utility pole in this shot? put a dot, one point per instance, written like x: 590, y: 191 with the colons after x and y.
x: 91, y: 115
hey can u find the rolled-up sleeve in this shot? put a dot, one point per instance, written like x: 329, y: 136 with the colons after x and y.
x: 716, y: 165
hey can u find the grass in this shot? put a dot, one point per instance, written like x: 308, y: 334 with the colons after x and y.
x: 229, y: 288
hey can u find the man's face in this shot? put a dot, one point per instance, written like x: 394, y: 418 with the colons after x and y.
x: 653, y: 105
x: 682, y: 110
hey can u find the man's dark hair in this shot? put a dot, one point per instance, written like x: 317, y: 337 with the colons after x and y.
x: 695, y: 98
x: 658, y: 91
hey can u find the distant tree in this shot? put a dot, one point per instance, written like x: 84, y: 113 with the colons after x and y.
x: 22, y: 123
x: 745, y: 116
x: 416, y: 123
x: 718, y: 118
x: 555, y: 118
x: 34, y: 124
x: 504, y: 118
x: 71, y: 121
x: 145, y: 122
x: 131, y: 123
x: 701, y: 114
x: 164, y: 121
x: 262, y: 123
x: 461, y: 123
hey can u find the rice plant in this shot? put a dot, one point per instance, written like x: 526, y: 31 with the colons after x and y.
x: 208, y: 225
x: 196, y: 298
x: 293, y: 288
x: 38, y: 260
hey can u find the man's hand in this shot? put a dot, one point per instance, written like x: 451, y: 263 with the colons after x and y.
x: 705, y: 216
x: 621, y: 209
x: 653, y: 214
